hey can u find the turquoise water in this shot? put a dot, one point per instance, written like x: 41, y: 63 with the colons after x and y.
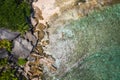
x: 98, y: 36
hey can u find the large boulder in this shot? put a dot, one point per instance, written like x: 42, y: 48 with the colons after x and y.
x: 22, y: 47
x: 7, y: 34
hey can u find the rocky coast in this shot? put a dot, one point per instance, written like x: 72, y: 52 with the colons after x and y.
x: 60, y: 38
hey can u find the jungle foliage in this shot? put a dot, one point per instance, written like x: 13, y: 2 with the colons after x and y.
x: 6, y: 44
x: 6, y: 72
x: 13, y: 14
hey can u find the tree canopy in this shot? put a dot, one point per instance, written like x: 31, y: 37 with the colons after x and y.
x: 13, y: 14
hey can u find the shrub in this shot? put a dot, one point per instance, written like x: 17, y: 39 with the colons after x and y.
x: 21, y: 61
x: 6, y: 44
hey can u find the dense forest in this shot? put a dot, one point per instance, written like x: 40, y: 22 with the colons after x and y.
x: 14, y: 14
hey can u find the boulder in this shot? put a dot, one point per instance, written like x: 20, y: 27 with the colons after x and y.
x: 29, y: 36
x: 7, y: 34
x: 3, y: 53
x: 22, y: 47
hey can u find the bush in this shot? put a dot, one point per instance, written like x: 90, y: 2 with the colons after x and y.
x: 21, y: 61
x: 6, y: 44
x: 8, y: 75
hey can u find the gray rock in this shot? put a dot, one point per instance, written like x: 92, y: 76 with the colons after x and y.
x: 29, y: 36
x: 22, y: 48
x: 13, y: 59
x: 3, y: 53
x: 30, y: 58
x: 7, y: 34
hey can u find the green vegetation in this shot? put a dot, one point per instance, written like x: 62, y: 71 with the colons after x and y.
x: 21, y: 61
x: 97, y: 36
x: 6, y: 44
x: 13, y: 15
x: 8, y: 75
x: 3, y: 62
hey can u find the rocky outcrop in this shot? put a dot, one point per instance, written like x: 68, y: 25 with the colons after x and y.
x: 3, y: 53
x: 7, y: 34
x: 39, y: 62
x: 30, y: 37
x: 21, y: 47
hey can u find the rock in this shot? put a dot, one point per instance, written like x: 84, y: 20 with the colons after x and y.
x: 13, y: 58
x: 3, y: 53
x: 31, y: 58
x: 22, y: 47
x: 34, y: 21
x: 7, y: 34
x: 29, y: 36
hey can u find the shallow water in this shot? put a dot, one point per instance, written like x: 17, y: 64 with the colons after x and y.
x: 100, y: 32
